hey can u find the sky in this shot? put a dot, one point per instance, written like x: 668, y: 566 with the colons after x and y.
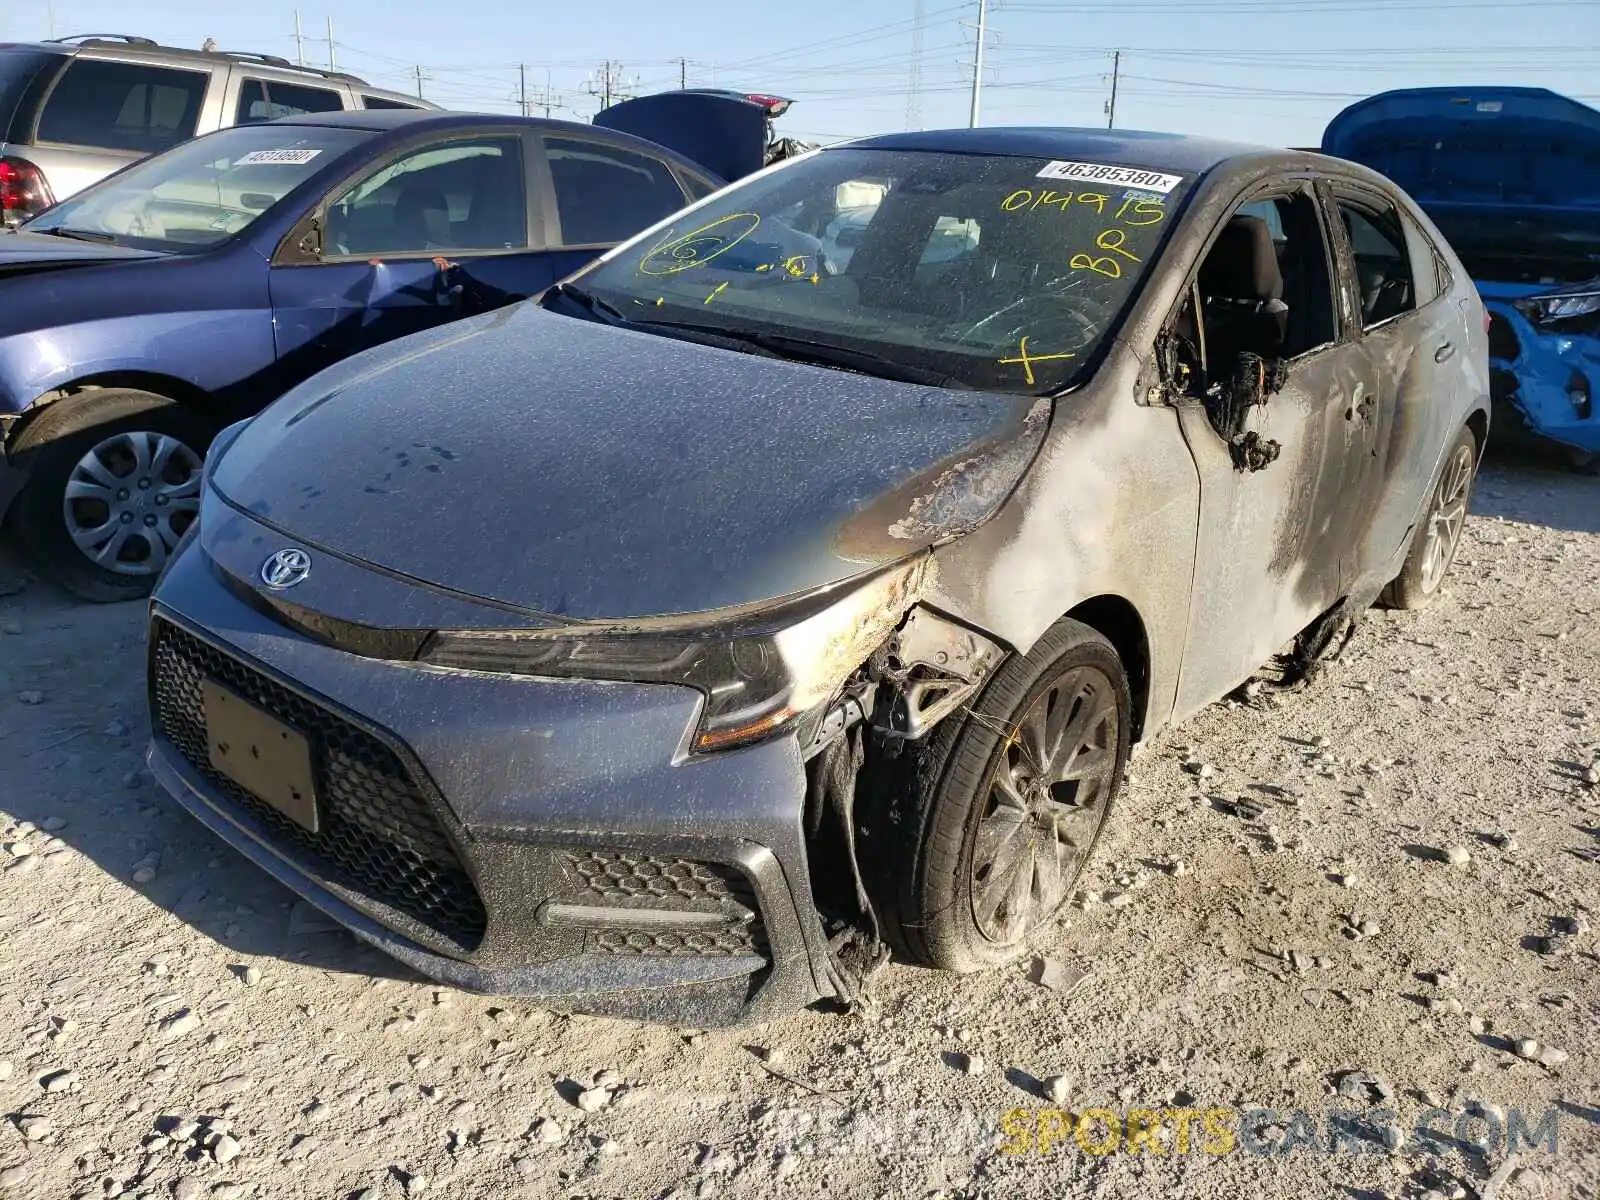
x: 1250, y: 70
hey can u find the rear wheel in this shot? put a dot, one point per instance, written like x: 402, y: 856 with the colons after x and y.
x: 112, y: 486
x: 1016, y: 794
x: 1438, y: 537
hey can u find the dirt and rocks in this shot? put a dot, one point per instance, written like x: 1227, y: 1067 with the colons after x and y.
x: 1350, y: 905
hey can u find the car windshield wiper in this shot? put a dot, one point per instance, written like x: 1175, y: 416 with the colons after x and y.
x: 591, y: 304
x: 81, y: 235
x: 827, y: 354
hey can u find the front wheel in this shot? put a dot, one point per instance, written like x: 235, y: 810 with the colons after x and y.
x: 1014, y: 798
x: 112, y: 488
x: 1434, y: 545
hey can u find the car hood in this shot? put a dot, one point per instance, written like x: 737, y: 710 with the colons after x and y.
x: 1477, y: 148
x: 584, y: 471
x: 23, y: 251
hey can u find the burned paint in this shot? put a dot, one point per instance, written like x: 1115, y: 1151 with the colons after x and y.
x: 952, y: 497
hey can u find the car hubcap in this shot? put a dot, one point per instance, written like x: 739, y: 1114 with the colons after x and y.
x: 130, y: 500
x: 1448, y: 516
x: 1045, y: 801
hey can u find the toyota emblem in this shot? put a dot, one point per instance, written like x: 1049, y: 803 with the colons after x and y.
x: 285, y: 569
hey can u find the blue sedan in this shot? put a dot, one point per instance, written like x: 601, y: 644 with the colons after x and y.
x: 189, y: 290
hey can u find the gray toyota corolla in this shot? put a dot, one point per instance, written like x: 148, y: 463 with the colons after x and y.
x: 788, y: 587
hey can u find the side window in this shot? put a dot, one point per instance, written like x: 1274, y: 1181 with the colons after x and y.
x: 467, y: 195
x: 1264, y: 293
x: 269, y: 99
x: 122, y: 106
x: 385, y: 102
x: 1382, y: 263
x: 1265, y: 287
x: 605, y: 194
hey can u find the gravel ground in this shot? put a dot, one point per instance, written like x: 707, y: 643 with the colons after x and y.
x: 1275, y: 909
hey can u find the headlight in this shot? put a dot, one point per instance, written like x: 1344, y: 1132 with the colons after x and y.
x: 1559, y: 307
x: 758, y: 674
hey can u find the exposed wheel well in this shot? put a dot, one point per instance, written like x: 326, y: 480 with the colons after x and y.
x: 1478, y: 422
x: 1118, y: 622
x: 30, y: 430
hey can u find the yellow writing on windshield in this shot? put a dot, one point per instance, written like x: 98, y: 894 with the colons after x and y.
x: 1153, y: 212
x: 1027, y: 360
x: 1116, y: 241
x: 1027, y: 200
x: 699, y: 246
x: 716, y: 291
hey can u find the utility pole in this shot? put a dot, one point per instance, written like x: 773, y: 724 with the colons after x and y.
x: 417, y: 70
x: 1111, y: 104
x: 522, y: 88
x: 977, y: 62
x: 52, y: 17
x: 333, y: 61
x: 299, y: 40
x: 914, y: 75
x: 683, y: 72
x: 608, y: 86
x: 549, y: 92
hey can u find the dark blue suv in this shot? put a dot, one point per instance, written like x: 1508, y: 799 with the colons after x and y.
x: 189, y: 290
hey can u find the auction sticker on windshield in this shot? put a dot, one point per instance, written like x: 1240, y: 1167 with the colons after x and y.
x: 287, y: 158
x: 1132, y: 177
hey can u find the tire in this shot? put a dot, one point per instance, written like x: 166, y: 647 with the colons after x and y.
x: 96, y: 442
x: 1438, y: 537
x: 935, y: 895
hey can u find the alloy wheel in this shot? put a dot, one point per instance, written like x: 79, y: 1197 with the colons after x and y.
x: 1048, y: 793
x: 129, y: 501
x: 1447, y: 518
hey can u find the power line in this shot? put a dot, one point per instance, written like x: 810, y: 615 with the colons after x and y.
x: 914, y: 71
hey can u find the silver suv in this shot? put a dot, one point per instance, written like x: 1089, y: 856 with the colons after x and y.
x: 75, y: 109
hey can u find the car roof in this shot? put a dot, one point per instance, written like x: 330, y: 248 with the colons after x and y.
x: 1128, y: 147
x: 384, y: 119
x: 388, y: 120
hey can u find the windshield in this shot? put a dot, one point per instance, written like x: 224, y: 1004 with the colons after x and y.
x: 204, y: 191
x: 1001, y: 273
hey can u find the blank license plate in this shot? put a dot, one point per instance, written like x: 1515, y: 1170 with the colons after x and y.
x: 261, y: 754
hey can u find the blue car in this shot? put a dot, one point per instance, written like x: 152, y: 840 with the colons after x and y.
x: 1511, y: 175
x: 189, y: 290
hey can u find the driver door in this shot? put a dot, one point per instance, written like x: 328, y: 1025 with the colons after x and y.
x: 1264, y: 369
x: 429, y: 235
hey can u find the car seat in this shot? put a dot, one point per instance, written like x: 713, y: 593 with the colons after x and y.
x: 1241, y: 287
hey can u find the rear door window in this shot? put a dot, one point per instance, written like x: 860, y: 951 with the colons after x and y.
x: 122, y: 106
x: 377, y: 102
x: 269, y: 99
x: 605, y: 194
x: 1385, y: 280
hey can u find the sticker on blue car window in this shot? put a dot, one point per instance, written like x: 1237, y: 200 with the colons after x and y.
x: 1129, y: 177
x: 281, y: 158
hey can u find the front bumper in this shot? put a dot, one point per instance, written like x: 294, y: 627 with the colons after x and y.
x: 512, y: 836
x: 1535, y: 372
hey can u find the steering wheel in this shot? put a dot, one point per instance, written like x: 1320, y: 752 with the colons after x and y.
x: 1067, y: 319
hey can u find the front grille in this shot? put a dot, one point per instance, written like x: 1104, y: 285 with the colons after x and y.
x: 627, y: 880
x: 1502, y: 338
x: 378, y: 835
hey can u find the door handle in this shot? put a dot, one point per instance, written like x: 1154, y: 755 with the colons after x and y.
x: 1444, y: 352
